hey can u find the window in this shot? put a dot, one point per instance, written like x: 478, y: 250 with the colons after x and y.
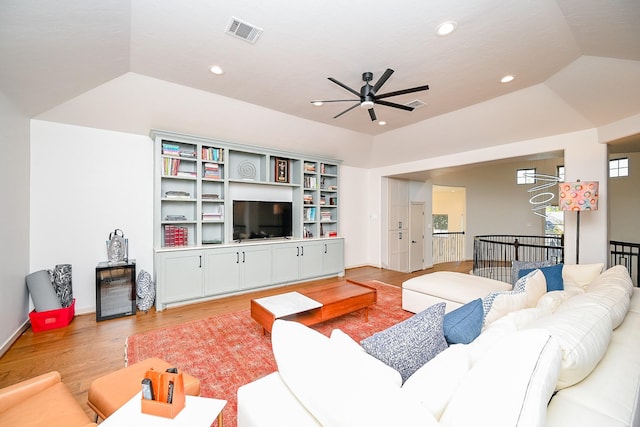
x: 440, y: 223
x: 560, y: 173
x: 525, y: 176
x: 618, y: 167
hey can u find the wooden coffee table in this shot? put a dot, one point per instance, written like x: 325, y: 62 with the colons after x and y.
x: 316, y: 305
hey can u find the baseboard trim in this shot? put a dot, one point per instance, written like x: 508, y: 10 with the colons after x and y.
x: 5, y: 347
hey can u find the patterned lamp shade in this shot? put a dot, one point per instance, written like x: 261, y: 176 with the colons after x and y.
x: 578, y: 196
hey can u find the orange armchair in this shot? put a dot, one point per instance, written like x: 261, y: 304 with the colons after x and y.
x: 41, y: 401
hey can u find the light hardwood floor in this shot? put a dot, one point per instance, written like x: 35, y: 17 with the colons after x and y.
x: 87, y: 349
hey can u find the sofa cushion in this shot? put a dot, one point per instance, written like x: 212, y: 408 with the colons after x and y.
x: 534, y: 284
x: 464, y: 324
x: 349, y: 348
x: 408, y: 345
x: 336, y: 388
x: 516, y: 266
x: 433, y: 385
x: 583, y: 333
x: 510, y: 386
x: 580, y: 275
x: 498, y: 304
x: 552, y: 300
x: 552, y: 275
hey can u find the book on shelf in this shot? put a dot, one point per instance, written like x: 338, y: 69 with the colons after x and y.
x: 176, y: 235
x: 309, y: 167
x: 310, y: 182
x: 309, y: 214
x: 212, y: 171
x: 308, y: 199
x: 170, y: 149
x: 214, y: 154
x: 210, y: 196
x: 325, y: 216
x: 211, y: 216
x: 175, y: 218
x: 186, y: 174
x: 177, y: 194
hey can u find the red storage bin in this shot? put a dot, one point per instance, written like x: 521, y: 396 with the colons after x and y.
x: 52, y: 319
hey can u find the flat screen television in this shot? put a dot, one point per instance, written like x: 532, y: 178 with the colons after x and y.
x: 261, y: 219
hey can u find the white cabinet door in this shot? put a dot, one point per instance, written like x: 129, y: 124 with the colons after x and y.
x: 222, y: 272
x: 398, y: 204
x: 333, y: 257
x: 285, y: 262
x: 256, y: 266
x: 399, y: 250
x: 310, y: 259
x: 180, y: 276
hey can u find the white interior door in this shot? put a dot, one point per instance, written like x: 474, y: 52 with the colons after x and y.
x: 416, y: 233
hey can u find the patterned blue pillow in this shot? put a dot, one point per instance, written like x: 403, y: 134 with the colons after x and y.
x: 516, y: 266
x: 552, y: 274
x: 408, y: 345
x: 464, y: 324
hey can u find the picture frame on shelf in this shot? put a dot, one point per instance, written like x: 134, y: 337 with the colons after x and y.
x: 281, y: 170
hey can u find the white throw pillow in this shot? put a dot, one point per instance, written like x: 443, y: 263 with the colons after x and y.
x: 534, y: 285
x: 580, y: 274
x: 583, y: 333
x: 433, y: 385
x: 510, y: 386
x: 501, y: 303
x: 334, y: 388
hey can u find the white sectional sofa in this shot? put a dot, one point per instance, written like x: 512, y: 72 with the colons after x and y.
x: 562, y: 358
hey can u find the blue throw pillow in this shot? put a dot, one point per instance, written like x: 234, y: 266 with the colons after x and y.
x: 552, y: 274
x: 408, y: 345
x: 464, y: 324
x: 516, y: 266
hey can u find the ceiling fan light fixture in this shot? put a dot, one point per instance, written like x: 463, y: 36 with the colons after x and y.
x: 366, y: 104
x: 446, y: 28
x: 382, y: 123
x: 318, y: 103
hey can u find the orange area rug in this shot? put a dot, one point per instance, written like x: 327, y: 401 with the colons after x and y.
x: 229, y: 350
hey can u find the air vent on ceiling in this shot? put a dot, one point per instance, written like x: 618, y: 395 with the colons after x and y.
x: 416, y: 104
x: 243, y: 30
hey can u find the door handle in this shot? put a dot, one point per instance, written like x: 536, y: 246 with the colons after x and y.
x: 413, y: 241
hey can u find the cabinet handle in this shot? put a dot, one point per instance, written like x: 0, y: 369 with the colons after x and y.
x: 237, y: 257
x: 243, y: 257
x: 301, y: 250
x: 399, y: 224
x: 200, y: 266
x: 400, y: 235
x: 325, y: 248
x: 297, y: 250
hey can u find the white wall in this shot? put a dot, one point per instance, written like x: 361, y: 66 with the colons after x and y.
x: 84, y: 184
x: 585, y: 158
x: 353, y: 213
x: 14, y: 227
x: 624, y: 202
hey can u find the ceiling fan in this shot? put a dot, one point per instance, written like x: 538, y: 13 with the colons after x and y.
x: 368, y: 97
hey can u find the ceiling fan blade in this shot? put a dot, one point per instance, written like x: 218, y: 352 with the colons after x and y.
x: 346, y: 111
x: 382, y: 80
x: 394, y: 105
x: 402, y: 92
x: 372, y: 114
x: 345, y: 86
x: 337, y: 100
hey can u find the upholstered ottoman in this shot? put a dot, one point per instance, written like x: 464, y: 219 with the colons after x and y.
x: 108, y: 393
x: 455, y: 289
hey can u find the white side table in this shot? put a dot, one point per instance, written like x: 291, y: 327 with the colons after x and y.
x: 197, y: 412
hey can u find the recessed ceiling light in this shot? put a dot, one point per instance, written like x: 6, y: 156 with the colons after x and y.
x: 382, y: 123
x: 446, y: 28
x: 508, y: 78
x: 216, y: 69
x: 318, y: 103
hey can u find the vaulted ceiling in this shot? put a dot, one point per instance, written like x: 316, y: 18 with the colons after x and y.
x: 585, y: 52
